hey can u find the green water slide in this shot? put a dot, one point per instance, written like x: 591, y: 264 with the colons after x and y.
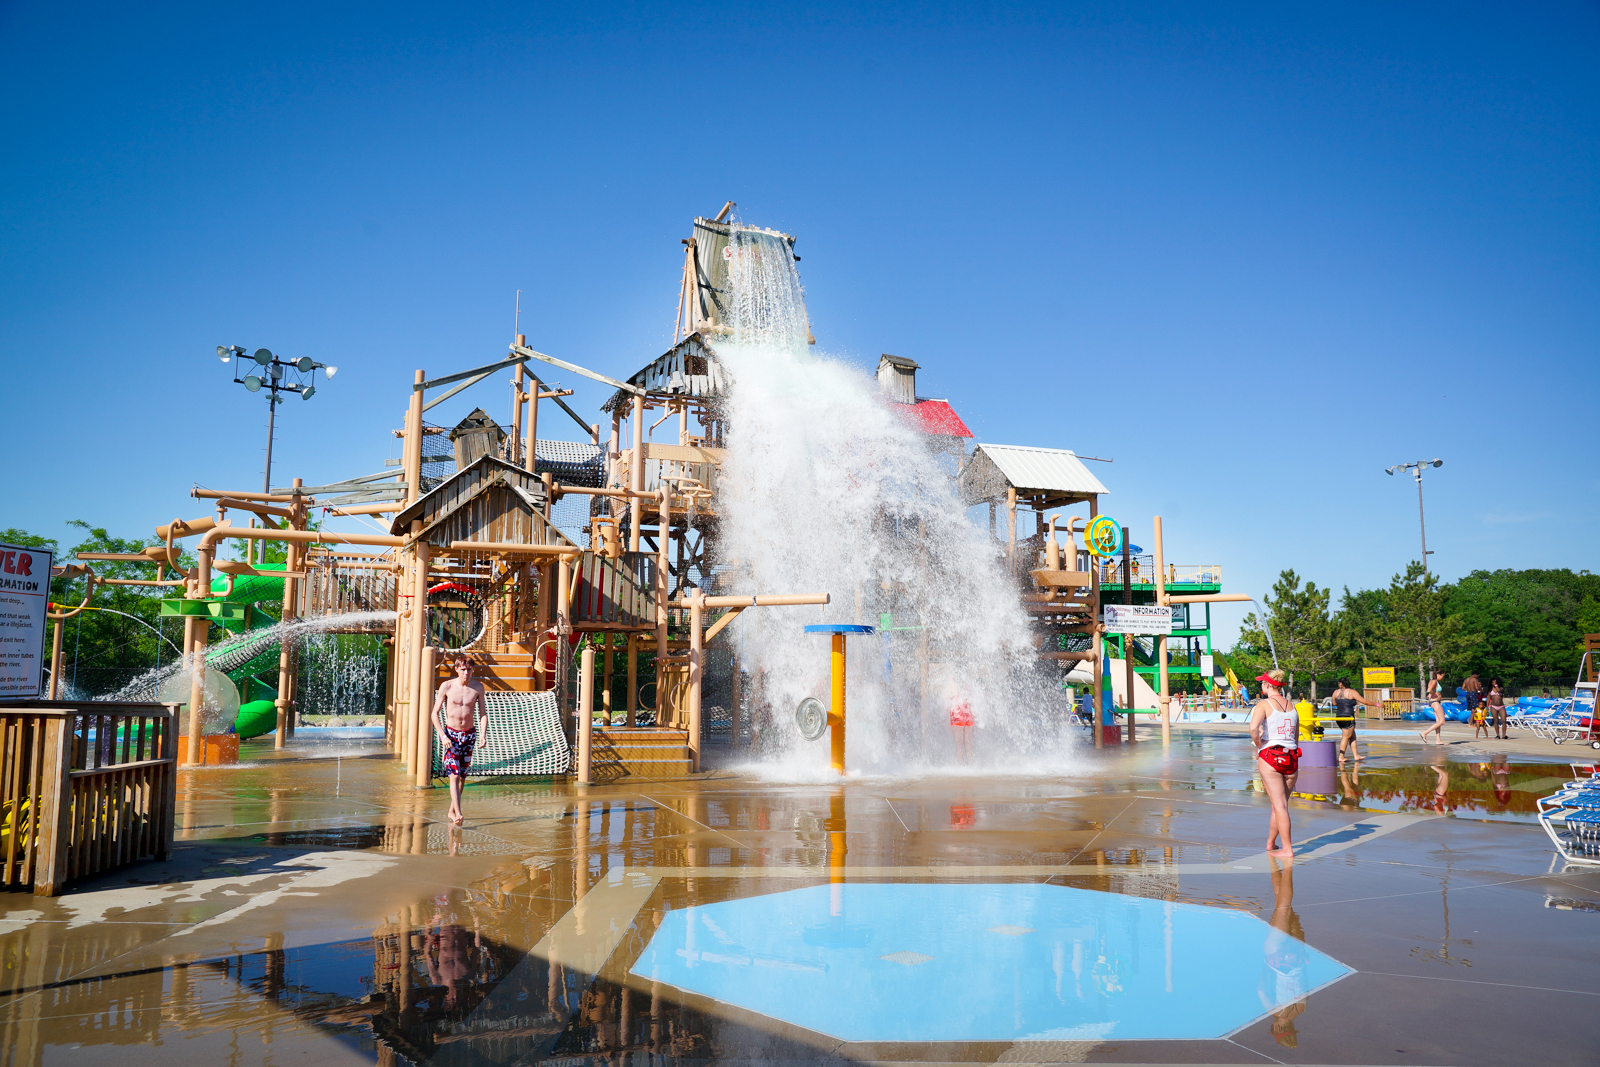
x: 248, y: 652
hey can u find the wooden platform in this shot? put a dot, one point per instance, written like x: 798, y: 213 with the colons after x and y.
x: 642, y: 752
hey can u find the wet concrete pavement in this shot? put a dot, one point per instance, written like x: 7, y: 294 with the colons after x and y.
x: 317, y: 908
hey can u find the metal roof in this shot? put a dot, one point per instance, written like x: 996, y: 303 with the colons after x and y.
x: 1051, y: 470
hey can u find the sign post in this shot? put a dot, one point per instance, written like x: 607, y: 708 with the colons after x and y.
x: 24, y: 603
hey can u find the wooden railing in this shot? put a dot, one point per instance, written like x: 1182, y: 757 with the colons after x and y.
x: 85, y: 788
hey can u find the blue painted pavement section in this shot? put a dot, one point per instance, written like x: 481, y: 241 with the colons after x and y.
x: 921, y: 962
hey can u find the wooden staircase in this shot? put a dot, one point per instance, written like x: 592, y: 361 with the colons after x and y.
x: 642, y: 752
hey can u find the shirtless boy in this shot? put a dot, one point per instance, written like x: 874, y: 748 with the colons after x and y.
x: 462, y: 700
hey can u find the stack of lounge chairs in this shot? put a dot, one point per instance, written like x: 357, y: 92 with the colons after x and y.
x: 1571, y: 817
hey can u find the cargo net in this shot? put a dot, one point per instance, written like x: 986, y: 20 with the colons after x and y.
x: 522, y: 735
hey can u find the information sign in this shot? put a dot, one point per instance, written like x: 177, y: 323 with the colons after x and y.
x: 1373, y: 677
x: 24, y: 601
x: 1140, y: 620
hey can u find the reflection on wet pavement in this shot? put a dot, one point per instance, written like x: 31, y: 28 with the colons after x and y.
x: 326, y: 910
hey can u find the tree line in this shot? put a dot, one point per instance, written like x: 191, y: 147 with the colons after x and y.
x: 1524, y: 627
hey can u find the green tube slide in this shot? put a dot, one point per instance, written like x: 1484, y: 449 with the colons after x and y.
x: 258, y: 714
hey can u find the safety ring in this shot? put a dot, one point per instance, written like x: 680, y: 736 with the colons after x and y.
x: 1103, y: 537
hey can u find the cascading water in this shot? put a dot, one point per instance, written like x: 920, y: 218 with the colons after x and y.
x: 828, y: 488
x: 336, y: 680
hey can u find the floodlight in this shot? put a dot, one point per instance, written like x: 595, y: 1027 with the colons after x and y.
x: 304, y: 363
x: 263, y: 356
x: 252, y: 383
x: 224, y: 353
x: 330, y: 371
x: 306, y: 394
x: 1438, y: 463
x: 1389, y: 471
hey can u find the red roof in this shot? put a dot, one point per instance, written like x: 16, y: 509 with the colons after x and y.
x: 938, y: 418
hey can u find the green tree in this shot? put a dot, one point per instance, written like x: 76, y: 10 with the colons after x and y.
x: 1358, y: 628
x: 1532, y: 621
x: 1301, y: 630
x: 1421, y: 629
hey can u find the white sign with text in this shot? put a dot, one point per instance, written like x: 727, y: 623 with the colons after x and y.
x: 24, y: 600
x: 1136, y: 619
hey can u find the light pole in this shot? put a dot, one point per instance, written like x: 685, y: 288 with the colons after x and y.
x: 1416, y: 469
x: 279, y: 375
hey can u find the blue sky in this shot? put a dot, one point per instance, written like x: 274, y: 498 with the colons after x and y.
x: 1255, y: 253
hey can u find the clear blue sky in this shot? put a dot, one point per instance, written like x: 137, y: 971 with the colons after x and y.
x: 1255, y: 253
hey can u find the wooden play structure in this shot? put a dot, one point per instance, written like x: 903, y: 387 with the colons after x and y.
x: 586, y: 571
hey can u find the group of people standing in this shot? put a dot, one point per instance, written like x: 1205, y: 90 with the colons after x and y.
x: 1484, y: 707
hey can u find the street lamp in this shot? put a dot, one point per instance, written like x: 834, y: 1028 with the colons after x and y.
x: 1416, y: 469
x: 279, y: 376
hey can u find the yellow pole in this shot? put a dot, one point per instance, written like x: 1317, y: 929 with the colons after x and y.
x: 1161, y: 642
x: 836, y: 713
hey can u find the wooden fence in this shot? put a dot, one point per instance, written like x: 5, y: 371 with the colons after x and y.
x: 85, y: 788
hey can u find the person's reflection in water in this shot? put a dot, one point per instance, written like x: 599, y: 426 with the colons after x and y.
x: 451, y: 959
x: 1500, y: 771
x: 1441, y: 788
x: 1283, y: 978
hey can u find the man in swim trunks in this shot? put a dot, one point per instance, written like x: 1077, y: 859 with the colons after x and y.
x: 461, y: 698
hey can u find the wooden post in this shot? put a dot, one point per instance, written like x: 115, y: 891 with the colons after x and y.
x: 585, y: 714
x: 696, y: 652
x: 1095, y: 644
x: 195, y: 630
x: 605, y: 686
x: 413, y: 465
x: 633, y: 678
x: 563, y: 627
x: 518, y: 397
x: 404, y: 582
x: 419, y: 642
x: 55, y: 803
x: 1011, y: 528
x: 636, y: 477
x: 1161, y: 642
x: 529, y: 457
x: 422, y: 769
x: 663, y: 539
x: 55, y: 660
x: 736, y: 731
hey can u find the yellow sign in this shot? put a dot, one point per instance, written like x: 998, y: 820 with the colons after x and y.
x: 1377, y: 676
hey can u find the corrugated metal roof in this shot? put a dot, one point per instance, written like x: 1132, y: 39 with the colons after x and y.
x: 1051, y: 470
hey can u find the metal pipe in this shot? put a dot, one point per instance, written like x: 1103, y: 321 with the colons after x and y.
x: 186, y: 528
x: 196, y: 628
